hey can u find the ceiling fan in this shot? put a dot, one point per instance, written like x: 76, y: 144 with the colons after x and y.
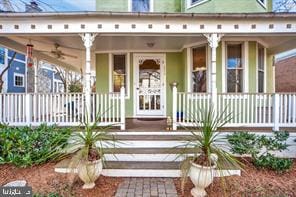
x: 57, y: 53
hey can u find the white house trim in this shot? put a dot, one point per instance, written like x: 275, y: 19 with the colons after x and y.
x: 189, y: 3
x: 130, y: 5
x: 127, y: 64
x: 116, y: 23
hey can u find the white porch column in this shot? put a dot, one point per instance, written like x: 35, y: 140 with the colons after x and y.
x: 213, y: 40
x: 88, y: 39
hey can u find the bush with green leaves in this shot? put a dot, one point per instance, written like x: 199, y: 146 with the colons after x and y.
x: 262, y: 149
x: 27, y: 146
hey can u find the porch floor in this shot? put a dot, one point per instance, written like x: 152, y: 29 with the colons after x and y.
x: 160, y: 125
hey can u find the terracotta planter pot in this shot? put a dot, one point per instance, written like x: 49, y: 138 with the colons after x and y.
x: 89, y: 171
x: 201, y: 177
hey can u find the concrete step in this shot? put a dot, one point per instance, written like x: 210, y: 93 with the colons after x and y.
x: 148, y: 150
x: 142, y: 169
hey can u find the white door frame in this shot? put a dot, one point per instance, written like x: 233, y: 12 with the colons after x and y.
x: 136, y: 58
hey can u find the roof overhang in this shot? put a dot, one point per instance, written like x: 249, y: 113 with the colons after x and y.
x: 127, y: 22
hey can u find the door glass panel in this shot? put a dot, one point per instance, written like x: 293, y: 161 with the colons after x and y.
x: 149, y: 85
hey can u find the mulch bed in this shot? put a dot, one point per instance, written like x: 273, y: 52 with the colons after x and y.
x: 44, y: 180
x: 253, y: 182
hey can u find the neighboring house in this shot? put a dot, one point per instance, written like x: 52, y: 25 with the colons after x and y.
x: 15, y: 78
x: 285, y: 71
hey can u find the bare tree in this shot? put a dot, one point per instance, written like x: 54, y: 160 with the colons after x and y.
x: 5, y: 69
x: 69, y: 79
x: 285, y: 6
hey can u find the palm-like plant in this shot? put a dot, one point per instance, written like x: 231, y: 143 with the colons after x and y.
x: 86, y: 149
x: 205, y: 140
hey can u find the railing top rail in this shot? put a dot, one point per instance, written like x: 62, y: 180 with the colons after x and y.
x: 244, y: 93
x: 197, y: 93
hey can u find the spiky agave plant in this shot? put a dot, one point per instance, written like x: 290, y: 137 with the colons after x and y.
x: 207, y: 143
x: 90, y: 143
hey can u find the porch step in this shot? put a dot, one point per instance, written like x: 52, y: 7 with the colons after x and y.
x: 143, y: 169
x: 142, y: 165
x: 148, y: 150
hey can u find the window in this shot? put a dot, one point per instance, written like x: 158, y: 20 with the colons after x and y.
x: 191, y: 3
x: 2, y: 56
x: 261, y: 65
x: 119, y: 72
x: 141, y: 5
x: 263, y: 2
x: 234, y: 68
x: 199, y: 69
x: 19, y: 80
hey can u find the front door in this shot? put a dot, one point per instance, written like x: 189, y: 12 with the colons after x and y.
x: 149, y: 84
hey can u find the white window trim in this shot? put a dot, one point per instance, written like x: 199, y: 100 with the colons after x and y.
x: 243, y: 66
x: 127, y: 64
x: 257, y: 68
x: 190, y: 65
x: 130, y: 5
x: 18, y: 75
x: 189, y: 3
x: 264, y: 4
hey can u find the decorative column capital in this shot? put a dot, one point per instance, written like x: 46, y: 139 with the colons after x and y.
x: 214, y: 39
x: 88, y: 39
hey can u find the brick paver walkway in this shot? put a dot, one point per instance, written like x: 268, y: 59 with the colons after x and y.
x: 147, y: 187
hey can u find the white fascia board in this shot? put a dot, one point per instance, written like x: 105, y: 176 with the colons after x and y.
x: 125, y: 25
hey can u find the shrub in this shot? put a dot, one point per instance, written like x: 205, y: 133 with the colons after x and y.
x: 27, y: 146
x: 261, y: 148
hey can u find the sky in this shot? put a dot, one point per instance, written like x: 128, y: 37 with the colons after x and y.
x: 59, y: 5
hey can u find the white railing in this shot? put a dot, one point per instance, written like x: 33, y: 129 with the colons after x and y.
x: 63, y: 109
x: 246, y: 109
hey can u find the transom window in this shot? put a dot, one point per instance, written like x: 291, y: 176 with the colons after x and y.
x: 199, y: 69
x: 19, y: 80
x: 261, y: 70
x: 119, y: 72
x: 141, y: 5
x: 234, y: 68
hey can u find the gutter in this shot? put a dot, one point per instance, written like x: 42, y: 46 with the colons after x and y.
x: 267, y: 15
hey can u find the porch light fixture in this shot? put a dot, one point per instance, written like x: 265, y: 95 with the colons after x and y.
x: 30, y: 61
x: 150, y: 44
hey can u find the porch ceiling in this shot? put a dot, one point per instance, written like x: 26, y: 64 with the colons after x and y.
x: 72, y: 43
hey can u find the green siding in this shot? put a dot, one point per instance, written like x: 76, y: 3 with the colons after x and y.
x: 102, y: 73
x: 252, y: 67
x: 227, y: 6
x: 112, y: 5
x: 219, y: 68
x: 174, y: 73
x: 167, y: 6
x: 270, y: 74
x: 211, y: 6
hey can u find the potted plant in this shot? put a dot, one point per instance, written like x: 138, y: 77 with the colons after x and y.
x: 208, y: 155
x: 86, y: 149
